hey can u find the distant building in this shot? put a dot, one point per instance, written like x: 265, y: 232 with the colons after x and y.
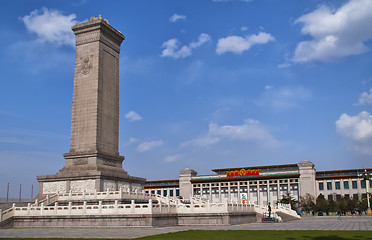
x: 263, y: 184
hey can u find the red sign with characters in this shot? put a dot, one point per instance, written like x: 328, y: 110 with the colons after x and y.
x: 243, y: 172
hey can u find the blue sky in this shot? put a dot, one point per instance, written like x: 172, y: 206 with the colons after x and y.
x: 203, y: 84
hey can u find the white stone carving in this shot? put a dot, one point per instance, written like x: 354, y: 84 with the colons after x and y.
x: 125, y: 187
x: 136, y: 187
x: 83, y: 185
x: 54, y: 187
x: 109, y: 184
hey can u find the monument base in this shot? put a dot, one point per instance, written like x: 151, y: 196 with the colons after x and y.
x: 89, y: 173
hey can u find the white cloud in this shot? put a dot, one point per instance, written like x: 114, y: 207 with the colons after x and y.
x: 283, y: 98
x: 201, y: 142
x: 366, y: 98
x: 336, y: 33
x: 175, y: 17
x: 357, y: 130
x: 174, y: 50
x: 244, y: 28
x: 146, y: 146
x: 133, y: 116
x: 250, y: 130
x: 173, y: 158
x: 284, y: 65
x: 238, y: 45
x: 130, y: 141
x: 51, y: 26
x: 269, y: 87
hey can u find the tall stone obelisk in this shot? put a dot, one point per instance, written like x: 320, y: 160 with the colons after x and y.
x: 93, y: 162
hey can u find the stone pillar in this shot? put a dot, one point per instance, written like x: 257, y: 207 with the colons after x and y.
x: 93, y: 162
x: 307, y: 182
x: 185, y: 182
x: 95, y: 104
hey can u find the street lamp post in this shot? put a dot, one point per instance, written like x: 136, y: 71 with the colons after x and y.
x: 366, y: 176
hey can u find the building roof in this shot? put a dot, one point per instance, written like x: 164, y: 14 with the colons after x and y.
x: 338, y: 174
x: 240, y: 178
x: 256, y: 167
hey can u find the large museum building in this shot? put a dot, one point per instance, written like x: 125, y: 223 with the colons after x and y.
x: 264, y: 184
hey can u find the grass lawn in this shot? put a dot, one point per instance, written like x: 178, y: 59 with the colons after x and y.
x: 264, y: 235
x: 250, y: 235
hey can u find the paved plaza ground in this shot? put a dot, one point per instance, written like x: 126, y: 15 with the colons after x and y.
x: 307, y: 223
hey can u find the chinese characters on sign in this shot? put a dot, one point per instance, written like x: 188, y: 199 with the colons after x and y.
x: 243, y: 172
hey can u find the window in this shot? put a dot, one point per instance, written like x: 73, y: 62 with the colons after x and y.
x: 321, y: 186
x: 171, y: 193
x: 346, y: 184
x: 165, y: 192
x: 363, y: 184
x: 158, y: 192
x: 153, y: 192
x: 330, y: 197
x: 338, y: 197
x: 329, y: 185
x: 197, y: 191
x: 177, y: 192
x: 337, y: 185
x: 347, y: 196
x: 355, y: 196
x: 355, y: 184
x: 370, y: 183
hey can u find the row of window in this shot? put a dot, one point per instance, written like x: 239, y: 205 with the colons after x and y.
x: 245, y: 183
x: 272, y: 188
x: 165, y: 192
x: 354, y: 185
x: 338, y: 197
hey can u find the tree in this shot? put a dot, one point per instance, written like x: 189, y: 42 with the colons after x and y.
x: 342, y: 204
x: 321, y: 204
x: 332, y: 206
x: 307, y: 203
x: 288, y: 199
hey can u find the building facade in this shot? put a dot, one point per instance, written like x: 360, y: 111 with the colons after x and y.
x: 263, y: 184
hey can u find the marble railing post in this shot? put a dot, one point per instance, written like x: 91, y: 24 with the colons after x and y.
x: 36, y: 202
x: 69, y: 207
x: 120, y: 193
x: 132, y: 206
x: 42, y: 209
x: 47, y: 200
x: 1, y: 215
x: 95, y: 193
x: 55, y: 207
x: 116, y: 206
x: 150, y: 206
x: 209, y: 205
x: 28, y: 208
x: 70, y: 194
x: 84, y: 207
x: 84, y: 194
x: 100, y: 207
